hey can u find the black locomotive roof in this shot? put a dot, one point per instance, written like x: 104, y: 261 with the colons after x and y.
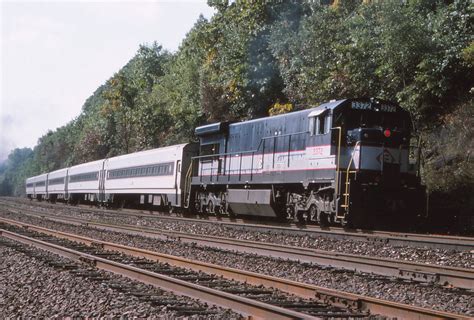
x: 331, y: 105
x: 220, y: 127
x: 212, y: 128
x: 336, y: 104
x: 325, y: 106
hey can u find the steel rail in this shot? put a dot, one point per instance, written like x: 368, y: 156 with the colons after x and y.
x: 443, y: 275
x: 251, y: 308
x: 329, y: 296
x: 386, y: 237
x: 456, y: 277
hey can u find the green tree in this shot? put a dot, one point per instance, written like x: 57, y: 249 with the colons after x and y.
x: 16, y: 169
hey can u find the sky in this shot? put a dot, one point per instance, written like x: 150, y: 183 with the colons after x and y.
x: 54, y: 54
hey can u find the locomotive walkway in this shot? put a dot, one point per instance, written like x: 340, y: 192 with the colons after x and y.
x: 354, y: 304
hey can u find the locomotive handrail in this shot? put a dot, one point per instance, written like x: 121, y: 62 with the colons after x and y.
x: 187, y: 186
x: 248, y: 151
x: 213, y: 157
x: 348, y: 171
x: 352, y: 156
x: 338, y: 159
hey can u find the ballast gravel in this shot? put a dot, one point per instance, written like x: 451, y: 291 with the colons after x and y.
x: 417, y: 294
x: 32, y: 289
x: 453, y: 258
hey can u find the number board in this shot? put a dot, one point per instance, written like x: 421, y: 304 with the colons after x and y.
x: 366, y: 105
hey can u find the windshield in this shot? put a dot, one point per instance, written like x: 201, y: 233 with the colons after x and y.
x: 372, y: 119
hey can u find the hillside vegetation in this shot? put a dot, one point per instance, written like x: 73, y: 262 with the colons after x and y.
x: 255, y: 57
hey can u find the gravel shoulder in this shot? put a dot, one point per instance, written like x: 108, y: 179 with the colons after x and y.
x: 31, y: 288
x: 418, y: 294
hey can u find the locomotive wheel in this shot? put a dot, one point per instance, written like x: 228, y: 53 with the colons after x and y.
x: 302, y: 216
x: 313, y: 212
x: 210, y: 207
x: 197, y: 208
x: 322, y: 218
x: 290, y: 212
x: 221, y: 210
x: 346, y: 222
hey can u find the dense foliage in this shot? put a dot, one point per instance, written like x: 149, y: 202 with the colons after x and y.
x: 253, y: 58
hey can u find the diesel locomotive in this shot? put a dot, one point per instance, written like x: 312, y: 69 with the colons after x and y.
x: 345, y: 162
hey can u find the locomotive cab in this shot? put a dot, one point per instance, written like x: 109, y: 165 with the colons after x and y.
x: 377, y: 177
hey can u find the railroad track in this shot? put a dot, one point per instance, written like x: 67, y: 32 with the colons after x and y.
x: 407, y: 270
x: 387, y: 237
x: 333, y: 300
x: 134, y: 292
x: 251, y: 301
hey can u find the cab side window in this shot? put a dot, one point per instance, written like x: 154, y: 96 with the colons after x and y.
x: 320, y: 124
x: 209, y: 149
